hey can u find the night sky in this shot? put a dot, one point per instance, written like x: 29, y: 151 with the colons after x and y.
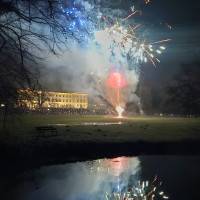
x: 184, y: 18
x: 179, y: 12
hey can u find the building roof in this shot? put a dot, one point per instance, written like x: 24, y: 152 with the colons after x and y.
x: 67, y: 92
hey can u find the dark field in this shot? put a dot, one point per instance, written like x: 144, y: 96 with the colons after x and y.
x: 105, y: 128
x: 29, y: 139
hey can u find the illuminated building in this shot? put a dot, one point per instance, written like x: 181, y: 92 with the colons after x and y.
x: 47, y: 99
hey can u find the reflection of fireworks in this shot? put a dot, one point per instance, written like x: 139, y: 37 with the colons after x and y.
x: 120, y: 173
x: 116, y: 166
x: 142, y: 190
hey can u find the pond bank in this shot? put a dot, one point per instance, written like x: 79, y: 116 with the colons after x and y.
x: 25, y: 157
x: 91, y: 137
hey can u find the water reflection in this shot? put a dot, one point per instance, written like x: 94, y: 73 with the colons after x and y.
x: 105, y: 179
x: 123, y: 178
x: 89, y: 124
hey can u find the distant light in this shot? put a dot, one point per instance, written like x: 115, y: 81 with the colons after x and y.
x: 161, y: 193
x: 165, y: 197
x: 158, y: 51
x: 147, y: 183
x: 2, y: 105
x: 162, y: 47
x: 152, y: 55
x: 142, y: 45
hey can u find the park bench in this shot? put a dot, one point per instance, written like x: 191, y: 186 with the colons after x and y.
x: 46, y: 131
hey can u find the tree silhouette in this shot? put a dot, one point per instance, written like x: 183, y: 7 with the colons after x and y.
x: 184, y: 92
x: 27, y: 29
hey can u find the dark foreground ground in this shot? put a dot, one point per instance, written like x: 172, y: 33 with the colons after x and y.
x: 24, y: 145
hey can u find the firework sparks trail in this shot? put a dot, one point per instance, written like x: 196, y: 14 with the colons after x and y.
x: 133, y: 13
x: 123, y: 44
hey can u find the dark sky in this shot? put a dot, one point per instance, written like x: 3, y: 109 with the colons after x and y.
x: 175, y: 12
x: 184, y: 17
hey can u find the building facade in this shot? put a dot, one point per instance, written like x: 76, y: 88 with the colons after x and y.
x: 56, y: 100
x: 66, y: 100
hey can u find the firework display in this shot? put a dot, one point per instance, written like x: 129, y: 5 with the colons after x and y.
x: 123, y: 45
x: 116, y: 37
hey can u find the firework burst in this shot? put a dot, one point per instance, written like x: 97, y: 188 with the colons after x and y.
x: 142, y: 190
x: 118, y: 37
x: 123, y: 43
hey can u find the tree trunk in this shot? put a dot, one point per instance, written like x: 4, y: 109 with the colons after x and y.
x: 5, y: 114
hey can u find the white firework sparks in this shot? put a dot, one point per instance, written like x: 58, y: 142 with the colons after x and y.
x: 142, y: 190
x: 122, y: 42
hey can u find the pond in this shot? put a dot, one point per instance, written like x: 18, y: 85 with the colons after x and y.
x: 122, y: 178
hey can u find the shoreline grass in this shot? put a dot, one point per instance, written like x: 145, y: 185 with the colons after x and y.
x: 71, y: 128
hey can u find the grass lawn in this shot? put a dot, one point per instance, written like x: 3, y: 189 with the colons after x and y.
x: 72, y: 128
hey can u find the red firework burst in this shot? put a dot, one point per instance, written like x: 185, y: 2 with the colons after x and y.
x: 116, y: 80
